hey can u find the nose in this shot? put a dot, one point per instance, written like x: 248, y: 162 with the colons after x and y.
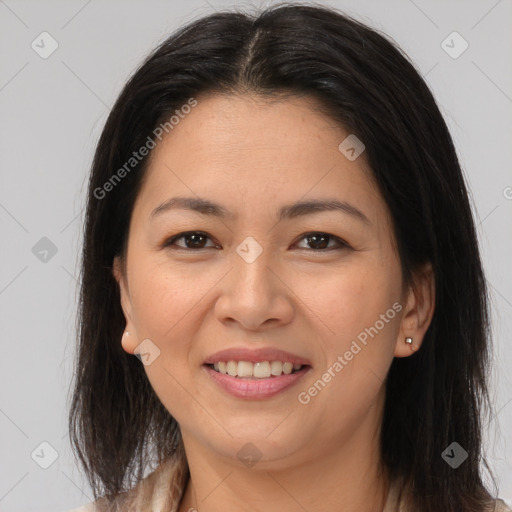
x: 255, y: 295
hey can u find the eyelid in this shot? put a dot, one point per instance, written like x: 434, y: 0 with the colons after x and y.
x: 342, y: 244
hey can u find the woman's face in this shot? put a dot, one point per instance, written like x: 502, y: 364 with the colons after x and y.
x: 253, y: 282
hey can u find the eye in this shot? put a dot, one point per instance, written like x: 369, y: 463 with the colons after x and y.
x: 197, y: 240
x: 193, y: 240
x: 320, y: 241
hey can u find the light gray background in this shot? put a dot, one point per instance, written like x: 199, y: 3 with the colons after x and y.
x: 51, y: 114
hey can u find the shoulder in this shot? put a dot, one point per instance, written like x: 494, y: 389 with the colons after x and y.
x: 394, y: 502
x: 160, y: 490
x: 501, y: 506
x: 89, y: 507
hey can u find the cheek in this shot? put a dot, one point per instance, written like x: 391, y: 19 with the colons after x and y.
x: 357, y: 317
x: 351, y: 300
x: 167, y: 305
x: 165, y: 296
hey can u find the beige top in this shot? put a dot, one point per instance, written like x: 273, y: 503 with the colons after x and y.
x: 153, y: 493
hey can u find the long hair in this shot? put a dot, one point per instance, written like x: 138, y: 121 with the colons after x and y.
x: 367, y: 85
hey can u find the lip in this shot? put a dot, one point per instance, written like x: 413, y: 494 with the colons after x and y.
x: 251, y: 388
x: 255, y: 389
x: 255, y: 355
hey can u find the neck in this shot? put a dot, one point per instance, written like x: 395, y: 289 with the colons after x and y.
x: 347, y: 477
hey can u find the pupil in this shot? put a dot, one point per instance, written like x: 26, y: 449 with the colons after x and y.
x: 321, y: 245
x: 195, y: 239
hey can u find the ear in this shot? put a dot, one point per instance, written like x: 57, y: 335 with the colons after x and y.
x: 418, y: 311
x: 129, y: 338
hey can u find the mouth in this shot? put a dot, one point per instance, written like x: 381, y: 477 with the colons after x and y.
x: 255, y: 374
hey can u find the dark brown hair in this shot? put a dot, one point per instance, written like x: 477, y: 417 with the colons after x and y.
x: 437, y: 396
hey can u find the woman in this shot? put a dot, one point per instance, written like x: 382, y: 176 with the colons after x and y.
x: 283, y: 304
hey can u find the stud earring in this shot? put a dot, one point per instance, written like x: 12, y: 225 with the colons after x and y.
x: 126, y: 333
x: 408, y: 340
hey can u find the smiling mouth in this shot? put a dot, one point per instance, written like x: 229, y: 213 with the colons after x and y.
x: 257, y: 370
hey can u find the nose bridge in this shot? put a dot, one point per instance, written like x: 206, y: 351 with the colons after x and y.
x: 253, y: 293
x: 252, y: 274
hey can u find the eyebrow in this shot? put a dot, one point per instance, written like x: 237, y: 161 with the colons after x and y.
x: 290, y: 211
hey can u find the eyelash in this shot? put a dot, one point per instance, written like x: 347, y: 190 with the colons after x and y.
x: 341, y: 243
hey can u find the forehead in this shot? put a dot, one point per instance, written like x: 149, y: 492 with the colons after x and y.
x: 251, y: 152
x: 253, y: 124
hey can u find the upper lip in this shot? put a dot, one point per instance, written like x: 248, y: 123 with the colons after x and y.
x: 255, y: 355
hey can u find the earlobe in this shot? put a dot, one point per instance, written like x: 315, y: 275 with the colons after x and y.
x: 129, y: 338
x: 127, y: 342
x: 418, y: 313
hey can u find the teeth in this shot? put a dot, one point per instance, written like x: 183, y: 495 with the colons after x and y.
x: 244, y: 369
x: 287, y: 368
x: 232, y: 368
x: 276, y: 367
x: 259, y: 370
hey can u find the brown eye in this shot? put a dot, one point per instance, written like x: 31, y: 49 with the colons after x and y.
x: 317, y: 242
x: 321, y: 241
x: 192, y: 239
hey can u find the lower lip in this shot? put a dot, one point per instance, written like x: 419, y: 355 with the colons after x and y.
x: 255, y: 389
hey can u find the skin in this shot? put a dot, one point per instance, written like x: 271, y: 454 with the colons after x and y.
x: 252, y: 156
